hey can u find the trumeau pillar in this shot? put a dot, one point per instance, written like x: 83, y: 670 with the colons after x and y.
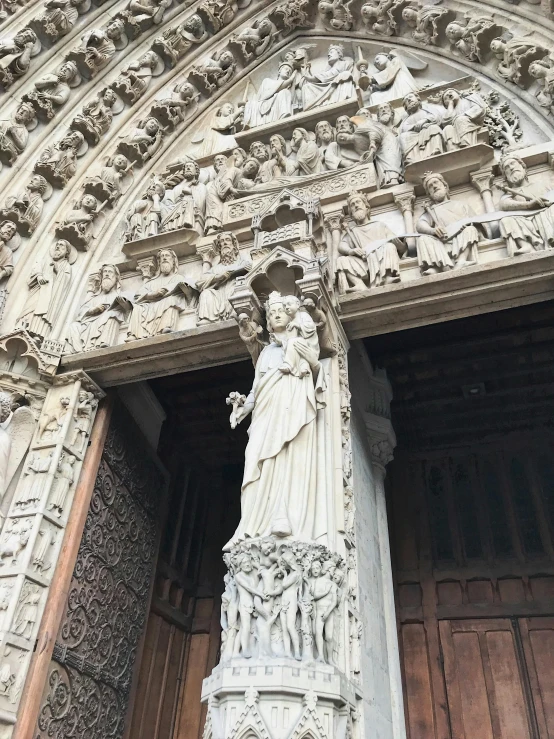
x: 45, y: 426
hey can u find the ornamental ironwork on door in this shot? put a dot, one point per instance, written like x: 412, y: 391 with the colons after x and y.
x: 91, y: 672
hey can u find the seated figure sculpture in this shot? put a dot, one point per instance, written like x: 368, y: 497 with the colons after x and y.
x: 333, y: 84
x: 144, y: 217
x: 186, y: 202
x: 420, y: 132
x: 221, y: 267
x: 158, y: 304
x: 524, y: 233
x: 369, y: 250
x: 440, y: 220
x: 463, y: 118
x: 273, y: 100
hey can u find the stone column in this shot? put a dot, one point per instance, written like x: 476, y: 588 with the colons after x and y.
x: 373, y: 444
x: 333, y: 232
x: 482, y: 181
x: 405, y: 201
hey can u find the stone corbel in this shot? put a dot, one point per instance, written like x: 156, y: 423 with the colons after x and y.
x: 405, y: 201
x: 244, y: 299
x: 482, y: 180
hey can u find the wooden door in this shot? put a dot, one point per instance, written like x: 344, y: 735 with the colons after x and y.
x: 486, y: 681
x: 537, y: 637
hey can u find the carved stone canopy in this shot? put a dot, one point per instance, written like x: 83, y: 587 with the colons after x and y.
x: 286, y: 208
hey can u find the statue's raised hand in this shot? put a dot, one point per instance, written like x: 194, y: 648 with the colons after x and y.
x: 237, y: 401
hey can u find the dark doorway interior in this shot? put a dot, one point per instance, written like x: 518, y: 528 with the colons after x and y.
x: 471, y: 494
x: 205, y: 459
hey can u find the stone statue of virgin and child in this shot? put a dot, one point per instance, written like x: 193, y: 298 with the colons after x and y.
x: 280, y: 485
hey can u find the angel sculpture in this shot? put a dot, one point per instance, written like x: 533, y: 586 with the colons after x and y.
x: 393, y: 78
x: 383, y: 16
x: 78, y: 225
x: 515, y: 56
x: 543, y: 70
x: 215, y: 71
x: 472, y: 37
x: 16, y: 431
x: 429, y: 22
x: 256, y: 40
x: 336, y: 14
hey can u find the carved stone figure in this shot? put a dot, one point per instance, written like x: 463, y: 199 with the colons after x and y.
x: 144, y: 142
x: 465, y: 114
x: 135, y: 78
x: 59, y: 17
x: 52, y: 421
x: 174, y: 42
x: 308, y: 158
x: 33, y: 479
x: 26, y: 208
x: 96, y: 116
x: 47, y: 539
x: 108, y: 185
x: 14, y: 133
x: 185, y: 203
x: 283, y: 440
x: 16, y: 54
x: 336, y: 14
x: 382, y: 146
x: 543, y: 70
x: 8, y: 230
x: 171, y: 108
x: 292, y: 14
x: 63, y: 480
x: 221, y: 188
x: 144, y: 217
x: 428, y: 21
x: 161, y: 299
x: 355, y: 647
x: 98, y: 47
x: 472, y: 36
x: 215, y: 71
x: 100, y: 317
x: 221, y: 268
x: 27, y: 613
x: 272, y: 161
x: 440, y: 220
x: 273, y: 100
x: 16, y: 430
x: 77, y: 227
x: 49, y: 286
x: 255, y: 40
x: 82, y: 416
x: 420, y: 133
x: 219, y: 13
x: 524, y: 233
x: 142, y: 14
x: 52, y: 91
x: 515, y: 56
x: 333, y: 84
x: 251, y: 333
x: 14, y: 540
x: 383, y: 16
x: 392, y: 79
x: 57, y: 163
x: 368, y: 251
x: 229, y: 618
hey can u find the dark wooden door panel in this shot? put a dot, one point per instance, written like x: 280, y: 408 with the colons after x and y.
x: 485, y: 680
x: 537, y: 636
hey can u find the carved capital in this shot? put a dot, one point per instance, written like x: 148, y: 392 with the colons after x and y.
x: 482, y: 180
x: 405, y: 200
x: 333, y: 220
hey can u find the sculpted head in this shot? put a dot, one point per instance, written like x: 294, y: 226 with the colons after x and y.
x: 358, y: 207
x: 285, y: 71
x: 156, y: 187
x: 168, y: 262
x: 411, y: 102
x: 267, y: 546
x: 239, y: 156
x: 292, y: 305
x: 25, y: 36
x: 89, y: 203
x: 450, y: 96
x: 454, y: 31
x: 245, y: 563
x: 8, y: 229
x: 277, y: 143
x: 323, y: 133
x: 513, y: 169
x: 109, y: 98
x: 538, y: 70
x: 226, y: 59
x: 436, y: 187
x: 250, y: 168
x: 38, y: 183
x: 60, y: 249
x: 115, y: 28
x: 110, y: 277
x: 226, y: 109
x: 227, y: 247
x: 5, y: 406
x: 72, y: 140
x: 298, y: 136
x: 25, y: 113
x: 277, y: 318
x: 344, y: 124
x: 152, y: 127
x: 335, y: 53
x: 381, y: 61
x: 385, y: 113
x: 259, y: 151
x: 498, y: 46
x: 191, y: 171
x: 220, y: 162
x: 120, y: 163
x: 193, y: 24
x: 316, y: 568
x: 67, y: 71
